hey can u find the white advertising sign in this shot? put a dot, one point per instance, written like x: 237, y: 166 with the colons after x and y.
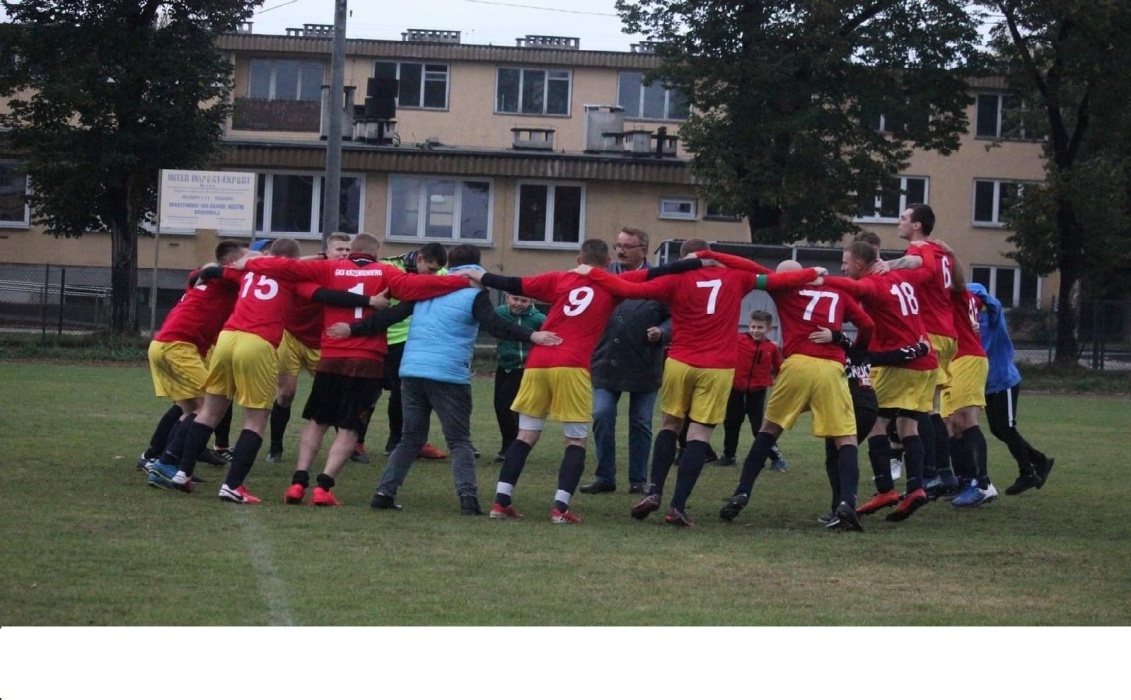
x: 193, y: 199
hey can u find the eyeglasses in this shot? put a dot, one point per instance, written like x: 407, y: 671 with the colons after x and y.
x: 625, y: 246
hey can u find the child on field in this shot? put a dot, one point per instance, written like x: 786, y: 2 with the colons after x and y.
x: 759, y: 361
x: 511, y: 356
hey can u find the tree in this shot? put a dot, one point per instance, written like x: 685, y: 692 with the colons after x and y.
x: 102, y: 95
x: 789, y: 98
x: 1070, y: 61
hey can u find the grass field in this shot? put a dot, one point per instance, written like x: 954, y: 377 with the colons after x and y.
x: 85, y: 538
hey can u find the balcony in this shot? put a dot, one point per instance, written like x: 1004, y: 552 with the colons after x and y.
x: 258, y: 114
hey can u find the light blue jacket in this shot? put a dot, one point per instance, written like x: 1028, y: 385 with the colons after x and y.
x: 996, y: 342
x: 441, y: 337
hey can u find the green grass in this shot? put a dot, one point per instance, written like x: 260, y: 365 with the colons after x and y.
x: 86, y: 540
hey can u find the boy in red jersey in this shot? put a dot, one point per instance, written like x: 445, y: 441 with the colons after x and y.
x: 178, y: 351
x: 759, y: 361
x: 347, y: 380
x: 904, y: 393
x: 699, y: 370
x: 812, y: 379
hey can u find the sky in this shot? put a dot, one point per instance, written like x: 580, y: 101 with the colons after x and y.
x: 497, y: 22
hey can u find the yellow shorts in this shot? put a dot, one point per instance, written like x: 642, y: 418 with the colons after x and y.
x: 246, y: 367
x: 899, y: 387
x: 566, y: 393
x: 967, y: 384
x: 945, y: 348
x: 178, y: 370
x: 817, y: 385
x: 701, y: 394
x: 294, y: 356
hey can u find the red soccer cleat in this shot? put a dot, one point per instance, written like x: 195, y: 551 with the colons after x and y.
x: 878, y: 501
x: 295, y: 494
x: 499, y: 512
x: 567, y: 518
x: 430, y: 452
x: 324, y: 497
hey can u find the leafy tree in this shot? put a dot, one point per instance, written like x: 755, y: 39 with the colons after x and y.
x: 789, y: 96
x: 102, y: 95
x: 1071, y: 61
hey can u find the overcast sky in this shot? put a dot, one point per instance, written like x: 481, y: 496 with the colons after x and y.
x: 496, y: 22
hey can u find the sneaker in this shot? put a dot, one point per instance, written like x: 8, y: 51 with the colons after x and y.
x: 598, y: 486
x: 679, y: 518
x: 143, y: 463
x: 725, y: 461
x: 237, y: 495
x: 564, y: 518
x: 1043, y: 470
x: 499, y: 457
x: 359, y: 455
x: 295, y: 494
x: 324, y: 497
x: 712, y: 456
x: 638, y: 487
x: 475, y: 452
x: 941, y: 486
x: 430, y: 452
x: 734, y: 506
x: 383, y: 501
x: 910, y: 503
x: 829, y: 519
x: 499, y: 512
x: 390, y: 445
x: 647, y: 506
x: 847, y: 519
x: 469, y: 505
x: 182, y: 482
x: 274, y: 456
x: 1023, y: 484
x: 779, y: 464
x: 973, y: 496
x: 211, y: 458
x: 896, y: 469
x: 226, y: 454
x: 878, y: 501
x: 161, y: 475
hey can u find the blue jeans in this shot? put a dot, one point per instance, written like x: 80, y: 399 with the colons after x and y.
x: 452, y: 404
x: 640, y: 408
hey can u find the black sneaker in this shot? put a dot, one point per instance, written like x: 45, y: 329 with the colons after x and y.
x: 725, y: 461
x: 829, y: 519
x: 499, y: 457
x: 734, y: 506
x: 650, y: 504
x: 391, y: 445
x: 1043, y: 470
x: 638, y: 487
x: 846, y: 519
x: 1023, y: 484
x: 382, y: 501
x: 598, y: 486
x: 275, y: 456
x: 468, y: 505
x: 210, y: 457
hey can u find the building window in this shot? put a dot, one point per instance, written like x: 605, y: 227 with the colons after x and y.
x: 893, y: 197
x: 1007, y: 117
x: 14, y: 211
x: 650, y: 101
x: 550, y: 214
x: 678, y: 208
x: 452, y: 210
x: 272, y: 79
x: 532, y: 91
x: 992, y: 200
x: 419, y: 84
x: 291, y: 205
x: 1011, y: 285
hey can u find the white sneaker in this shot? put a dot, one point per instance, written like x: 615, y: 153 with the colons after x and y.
x: 231, y: 495
x: 896, y: 469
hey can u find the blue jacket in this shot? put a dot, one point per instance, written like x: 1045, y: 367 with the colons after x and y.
x: 996, y: 342
x: 441, y: 338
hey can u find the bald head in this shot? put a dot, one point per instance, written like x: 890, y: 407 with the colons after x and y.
x: 788, y: 266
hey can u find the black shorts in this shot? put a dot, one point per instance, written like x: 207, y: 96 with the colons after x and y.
x: 341, y: 401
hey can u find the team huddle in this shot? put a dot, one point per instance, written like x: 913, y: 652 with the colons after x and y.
x: 929, y: 352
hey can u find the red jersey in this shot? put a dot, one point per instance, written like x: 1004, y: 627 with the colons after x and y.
x: 579, y: 312
x: 705, y: 305
x: 934, y: 293
x: 891, y: 301
x: 200, y: 314
x: 805, y: 310
x: 759, y: 361
x: 361, y: 275
x: 262, y: 307
x: 305, y: 323
x: 965, y: 306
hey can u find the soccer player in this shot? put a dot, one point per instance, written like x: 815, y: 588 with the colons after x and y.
x: 904, y: 393
x: 178, y: 351
x: 915, y: 226
x: 759, y: 361
x: 347, y: 380
x: 300, y: 349
x: 811, y: 379
x: 1003, y: 386
x: 699, y: 371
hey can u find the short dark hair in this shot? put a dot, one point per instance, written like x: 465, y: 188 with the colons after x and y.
x: 463, y: 254
x: 365, y: 243
x: 863, y: 251
x: 595, y: 252
x: 285, y: 248
x: 434, y: 252
x: 226, y: 249
x: 761, y: 315
x: 923, y: 214
x: 693, y: 245
x: 868, y: 237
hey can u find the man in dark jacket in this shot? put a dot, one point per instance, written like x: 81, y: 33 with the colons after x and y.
x: 629, y: 359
